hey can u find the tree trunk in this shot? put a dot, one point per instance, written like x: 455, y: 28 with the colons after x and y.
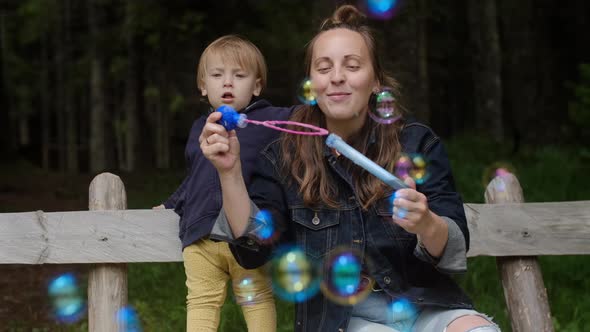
x: 520, y: 77
x: 487, y: 67
x: 131, y: 90
x: 45, y: 100
x: 423, y: 93
x: 401, y: 46
x: 7, y: 139
x: 163, y: 139
x: 60, y: 83
x: 72, y: 163
x: 24, y: 132
x: 97, y: 148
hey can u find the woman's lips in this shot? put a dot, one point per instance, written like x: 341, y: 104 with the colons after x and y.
x: 338, y: 96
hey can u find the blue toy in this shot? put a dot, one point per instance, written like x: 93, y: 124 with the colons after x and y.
x: 231, y: 119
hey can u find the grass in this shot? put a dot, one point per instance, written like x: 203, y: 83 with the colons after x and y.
x: 549, y: 173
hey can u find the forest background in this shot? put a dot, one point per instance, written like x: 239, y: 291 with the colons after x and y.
x: 109, y: 85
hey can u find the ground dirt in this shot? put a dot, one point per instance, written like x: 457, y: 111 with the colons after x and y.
x: 23, y: 288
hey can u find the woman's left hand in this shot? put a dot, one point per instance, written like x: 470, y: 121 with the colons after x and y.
x: 410, y: 209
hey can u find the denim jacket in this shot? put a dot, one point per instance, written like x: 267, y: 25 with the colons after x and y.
x: 400, y: 265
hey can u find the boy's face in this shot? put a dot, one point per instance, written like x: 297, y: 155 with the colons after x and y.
x: 229, y: 84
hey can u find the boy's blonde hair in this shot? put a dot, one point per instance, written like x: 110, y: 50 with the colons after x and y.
x: 235, y: 50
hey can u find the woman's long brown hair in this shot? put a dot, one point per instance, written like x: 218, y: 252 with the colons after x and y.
x: 303, y: 156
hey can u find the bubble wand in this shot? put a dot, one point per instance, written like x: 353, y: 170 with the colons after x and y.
x: 231, y: 120
x: 334, y: 141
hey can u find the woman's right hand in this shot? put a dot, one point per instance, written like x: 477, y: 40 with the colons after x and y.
x: 221, y: 147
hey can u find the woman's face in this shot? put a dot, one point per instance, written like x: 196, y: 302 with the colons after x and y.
x: 342, y: 77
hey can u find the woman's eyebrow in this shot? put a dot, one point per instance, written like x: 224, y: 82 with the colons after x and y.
x: 352, y: 56
x: 325, y: 58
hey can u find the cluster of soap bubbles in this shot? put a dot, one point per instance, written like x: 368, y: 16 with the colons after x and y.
x: 297, y: 278
x: 413, y: 165
x: 382, y: 105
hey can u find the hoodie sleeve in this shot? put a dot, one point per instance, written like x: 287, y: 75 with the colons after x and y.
x: 177, y: 196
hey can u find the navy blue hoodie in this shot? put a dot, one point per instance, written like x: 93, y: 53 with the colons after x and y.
x: 198, y: 199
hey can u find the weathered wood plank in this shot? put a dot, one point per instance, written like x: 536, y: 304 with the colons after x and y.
x: 557, y: 228
x: 23, y: 238
x: 89, y: 237
x: 529, y: 229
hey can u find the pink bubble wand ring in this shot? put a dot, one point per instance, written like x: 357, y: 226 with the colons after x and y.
x: 231, y: 120
x: 273, y: 125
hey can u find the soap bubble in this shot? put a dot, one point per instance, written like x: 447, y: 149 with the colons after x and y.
x: 400, y: 309
x: 295, y: 277
x: 380, y: 9
x: 413, y: 165
x: 497, y: 169
x: 128, y: 320
x: 265, y: 228
x: 244, y: 289
x: 344, y: 282
x: 383, y: 108
x: 305, y: 93
x: 68, y: 303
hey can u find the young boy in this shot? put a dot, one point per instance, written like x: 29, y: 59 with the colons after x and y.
x: 231, y: 71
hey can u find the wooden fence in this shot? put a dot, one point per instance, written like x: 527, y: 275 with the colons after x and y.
x: 109, y: 236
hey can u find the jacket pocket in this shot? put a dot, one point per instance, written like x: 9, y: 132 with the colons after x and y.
x: 317, y: 230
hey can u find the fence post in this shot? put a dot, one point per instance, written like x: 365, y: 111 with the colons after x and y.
x: 107, y: 283
x: 522, y: 280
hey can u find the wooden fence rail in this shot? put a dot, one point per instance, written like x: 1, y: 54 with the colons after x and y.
x: 109, y: 236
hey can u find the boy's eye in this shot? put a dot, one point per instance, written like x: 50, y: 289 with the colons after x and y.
x: 323, y: 70
x: 241, y: 75
x: 216, y: 75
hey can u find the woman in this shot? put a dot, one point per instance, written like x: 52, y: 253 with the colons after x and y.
x: 326, y: 202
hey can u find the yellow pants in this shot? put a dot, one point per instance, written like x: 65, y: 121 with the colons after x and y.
x: 208, y: 266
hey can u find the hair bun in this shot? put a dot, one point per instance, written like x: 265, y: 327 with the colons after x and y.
x: 346, y: 15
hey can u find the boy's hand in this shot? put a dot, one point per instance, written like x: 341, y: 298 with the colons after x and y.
x: 221, y: 147
x: 159, y: 207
